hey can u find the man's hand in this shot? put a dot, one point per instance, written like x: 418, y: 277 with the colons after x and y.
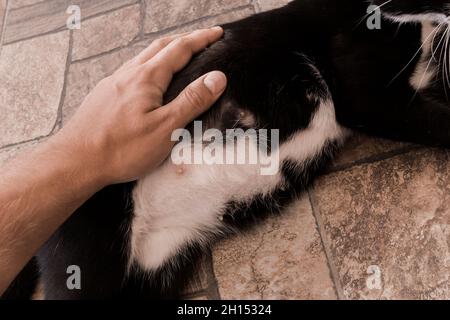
x: 122, y: 130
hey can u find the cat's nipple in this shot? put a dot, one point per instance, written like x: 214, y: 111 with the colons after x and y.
x: 179, y: 171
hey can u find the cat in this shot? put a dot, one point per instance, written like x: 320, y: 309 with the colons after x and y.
x: 312, y: 69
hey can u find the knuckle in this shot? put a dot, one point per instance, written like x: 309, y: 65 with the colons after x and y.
x: 119, y: 85
x: 193, y: 97
x: 160, y: 43
x: 143, y: 73
x: 183, y: 42
x: 150, y: 71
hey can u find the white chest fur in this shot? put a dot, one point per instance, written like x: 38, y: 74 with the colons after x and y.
x: 175, y: 206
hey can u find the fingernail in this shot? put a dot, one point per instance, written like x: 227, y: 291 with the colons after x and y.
x: 217, y: 28
x: 216, y: 82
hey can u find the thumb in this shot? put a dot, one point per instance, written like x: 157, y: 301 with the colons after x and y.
x: 198, y: 97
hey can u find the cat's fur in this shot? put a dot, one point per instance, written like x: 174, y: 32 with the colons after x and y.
x: 311, y: 69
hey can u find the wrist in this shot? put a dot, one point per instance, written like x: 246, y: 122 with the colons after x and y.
x: 76, y: 164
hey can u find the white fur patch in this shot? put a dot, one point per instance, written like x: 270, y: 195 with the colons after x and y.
x: 425, y: 70
x: 175, y: 206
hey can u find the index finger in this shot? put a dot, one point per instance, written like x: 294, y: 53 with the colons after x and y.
x: 156, y: 46
x: 179, y: 52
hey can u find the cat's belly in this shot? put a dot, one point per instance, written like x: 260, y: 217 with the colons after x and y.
x: 177, y: 206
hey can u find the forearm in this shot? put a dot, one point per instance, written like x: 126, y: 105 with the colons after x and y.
x: 119, y: 133
x: 38, y: 192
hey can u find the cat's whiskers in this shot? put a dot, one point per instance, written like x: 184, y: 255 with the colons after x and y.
x: 446, y: 60
x: 433, y: 53
x: 443, y: 63
x: 443, y: 66
x: 424, y: 42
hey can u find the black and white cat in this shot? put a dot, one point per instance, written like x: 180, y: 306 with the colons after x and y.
x: 313, y: 70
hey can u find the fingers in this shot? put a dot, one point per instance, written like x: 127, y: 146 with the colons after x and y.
x: 155, y: 47
x: 198, y: 97
x: 179, y: 52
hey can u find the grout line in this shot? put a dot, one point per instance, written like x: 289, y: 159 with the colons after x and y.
x: 59, y: 118
x: 143, y: 9
x: 29, y: 5
x: 99, y: 14
x: 256, y: 5
x: 373, y: 159
x: 199, y: 20
x: 16, y: 144
x: 331, y: 266
x: 144, y: 35
x: 105, y: 53
x: 154, y: 35
x: 3, y: 24
x: 212, y: 292
x: 62, y: 28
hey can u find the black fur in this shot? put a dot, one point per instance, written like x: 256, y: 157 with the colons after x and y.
x: 267, y: 60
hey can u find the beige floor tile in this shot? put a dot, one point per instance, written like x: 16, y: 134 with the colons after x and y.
x: 50, y: 15
x: 216, y: 20
x: 12, y: 152
x: 32, y: 78
x: 388, y: 226
x: 106, y: 32
x: 281, y: 259
x: 202, y: 278
x: 164, y: 14
x: 360, y: 147
x: 264, y: 5
x: 14, y: 4
x: 83, y: 76
x: 3, y: 4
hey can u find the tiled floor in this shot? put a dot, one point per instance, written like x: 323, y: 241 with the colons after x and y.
x: 377, y: 226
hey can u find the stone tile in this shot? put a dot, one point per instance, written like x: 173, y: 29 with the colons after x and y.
x: 3, y: 4
x: 216, y: 20
x: 280, y: 259
x: 199, y: 298
x: 83, y: 76
x: 360, y: 147
x: 14, y: 4
x: 265, y: 5
x: 32, y: 78
x: 201, y: 279
x: 12, y: 152
x: 164, y: 14
x: 50, y: 15
x: 106, y: 32
x: 392, y: 215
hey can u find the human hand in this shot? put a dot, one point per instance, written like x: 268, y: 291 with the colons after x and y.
x: 122, y: 131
